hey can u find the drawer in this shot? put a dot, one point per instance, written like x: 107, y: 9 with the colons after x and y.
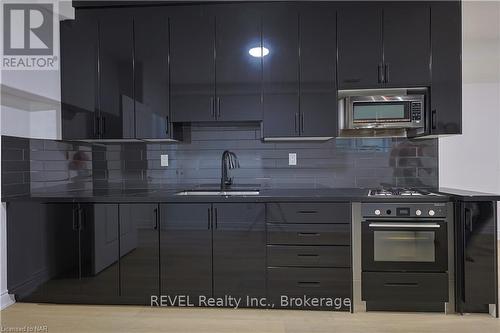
x: 308, y: 212
x: 308, y: 234
x: 287, y: 283
x: 416, y: 287
x: 308, y: 256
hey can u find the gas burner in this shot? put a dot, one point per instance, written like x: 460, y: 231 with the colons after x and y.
x: 398, y: 192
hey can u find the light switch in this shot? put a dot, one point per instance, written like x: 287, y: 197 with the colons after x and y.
x: 164, y: 160
x: 292, y: 159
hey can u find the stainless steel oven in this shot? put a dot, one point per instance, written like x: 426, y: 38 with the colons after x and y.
x: 404, y: 237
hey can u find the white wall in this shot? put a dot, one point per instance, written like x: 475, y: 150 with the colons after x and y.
x: 472, y: 160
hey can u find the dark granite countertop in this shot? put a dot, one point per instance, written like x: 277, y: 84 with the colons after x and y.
x: 266, y: 195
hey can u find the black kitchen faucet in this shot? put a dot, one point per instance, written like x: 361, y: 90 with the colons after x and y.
x: 229, y: 161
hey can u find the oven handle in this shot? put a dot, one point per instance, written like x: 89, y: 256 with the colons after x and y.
x: 404, y: 225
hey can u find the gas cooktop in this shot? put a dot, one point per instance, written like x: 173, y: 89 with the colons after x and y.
x: 402, y: 192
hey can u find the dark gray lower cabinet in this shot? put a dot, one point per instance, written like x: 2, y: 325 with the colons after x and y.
x: 239, y: 250
x: 139, y: 253
x: 78, y: 249
x: 185, y: 251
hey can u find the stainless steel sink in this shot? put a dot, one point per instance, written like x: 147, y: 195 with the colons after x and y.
x: 218, y: 193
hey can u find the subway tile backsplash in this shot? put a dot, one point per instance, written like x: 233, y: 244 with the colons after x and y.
x: 46, y: 165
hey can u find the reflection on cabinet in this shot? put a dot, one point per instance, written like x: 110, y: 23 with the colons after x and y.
x: 476, y: 276
x: 139, y: 253
x: 79, y: 96
x: 186, y: 250
x: 384, y: 45
x: 299, y: 71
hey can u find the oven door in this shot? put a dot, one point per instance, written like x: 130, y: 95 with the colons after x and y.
x: 389, y: 245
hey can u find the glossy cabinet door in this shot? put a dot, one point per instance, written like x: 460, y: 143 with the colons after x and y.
x: 281, y: 70
x: 139, y: 253
x: 477, y: 256
x: 99, y: 253
x: 185, y: 250
x: 318, y: 90
x: 407, y: 44
x: 238, y: 73
x: 79, y: 86
x: 151, y: 76
x: 446, y: 89
x: 239, y: 250
x: 360, y: 60
x: 116, y: 74
x: 192, y: 65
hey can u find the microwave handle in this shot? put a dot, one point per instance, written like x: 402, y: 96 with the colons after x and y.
x: 404, y: 225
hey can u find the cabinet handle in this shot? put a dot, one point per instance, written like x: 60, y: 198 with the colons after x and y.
x: 433, y: 119
x: 401, y: 284
x: 212, y: 107
x: 309, y: 255
x: 218, y: 107
x: 166, y: 125
x: 301, y: 130
x: 80, y: 219
x: 307, y: 212
x: 216, y: 219
x: 314, y: 284
x: 209, y: 218
x: 308, y: 234
x: 296, y: 123
x: 468, y: 219
x: 103, y: 125
x: 74, y: 219
x: 96, y: 126
x: 155, y: 226
x: 380, y: 76
x: 386, y: 73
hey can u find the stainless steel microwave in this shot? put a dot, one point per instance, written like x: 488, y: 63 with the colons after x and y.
x: 391, y: 111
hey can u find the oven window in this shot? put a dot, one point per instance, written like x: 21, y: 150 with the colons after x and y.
x: 374, y: 111
x: 404, y: 246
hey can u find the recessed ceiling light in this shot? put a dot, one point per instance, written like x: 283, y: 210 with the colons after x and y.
x: 258, y: 52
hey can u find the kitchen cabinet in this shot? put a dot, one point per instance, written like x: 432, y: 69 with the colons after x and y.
x: 446, y: 88
x: 139, y: 253
x: 186, y: 250
x: 79, y: 95
x: 77, y: 246
x: 476, y: 258
x: 239, y: 250
x: 384, y: 45
x: 213, y: 76
x: 116, y: 75
x: 299, y: 71
x: 151, y: 74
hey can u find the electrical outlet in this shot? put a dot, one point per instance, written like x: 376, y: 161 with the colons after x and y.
x: 292, y: 159
x: 164, y: 160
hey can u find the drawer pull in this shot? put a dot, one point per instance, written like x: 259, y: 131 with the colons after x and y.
x: 307, y: 211
x: 401, y: 284
x: 307, y: 255
x: 306, y: 284
x: 307, y: 234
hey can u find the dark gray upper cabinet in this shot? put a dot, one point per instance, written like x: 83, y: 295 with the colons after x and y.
x: 239, y: 250
x: 79, y: 96
x: 281, y: 71
x: 318, y: 88
x: 384, y: 45
x: 151, y: 74
x: 446, y: 88
x: 192, y: 65
x: 360, y: 60
x: 299, y: 71
x: 116, y: 83
x: 238, y: 73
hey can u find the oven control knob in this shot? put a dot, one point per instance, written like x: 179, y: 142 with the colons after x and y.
x: 418, y: 212
x: 377, y: 211
x: 432, y: 212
